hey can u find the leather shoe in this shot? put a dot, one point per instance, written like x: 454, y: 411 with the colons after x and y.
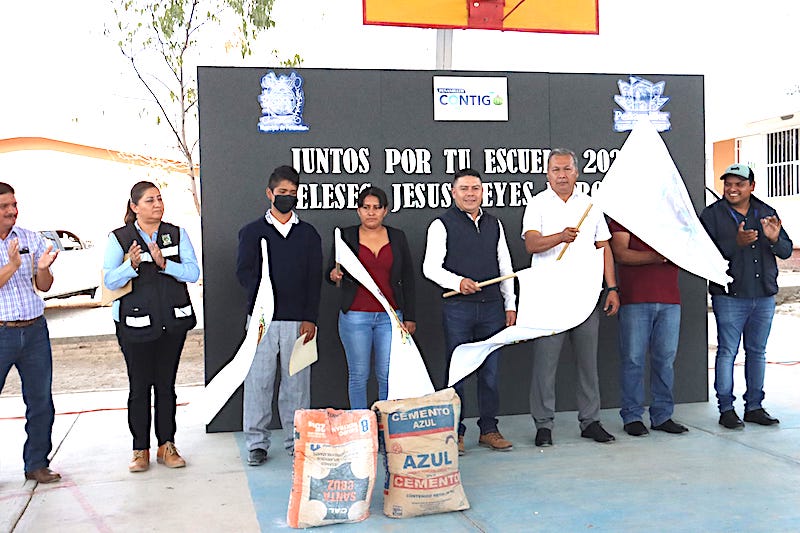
x: 140, y: 461
x: 544, y: 437
x: 461, y: 449
x: 670, y: 426
x: 595, y: 431
x: 761, y: 417
x: 168, y: 456
x: 731, y: 420
x: 43, y: 475
x: 257, y: 457
x: 495, y: 441
x: 636, y: 429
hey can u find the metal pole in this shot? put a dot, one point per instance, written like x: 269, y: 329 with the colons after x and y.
x: 444, y: 49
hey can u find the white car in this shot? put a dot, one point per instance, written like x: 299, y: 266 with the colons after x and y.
x: 77, y: 268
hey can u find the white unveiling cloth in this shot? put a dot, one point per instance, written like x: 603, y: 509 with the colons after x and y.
x: 227, y: 380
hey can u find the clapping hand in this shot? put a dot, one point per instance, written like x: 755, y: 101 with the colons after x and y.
x: 746, y: 236
x: 13, y: 253
x: 135, y: 255
x: 155, y: 253
x: 772, y: 228
x: 47, y: 258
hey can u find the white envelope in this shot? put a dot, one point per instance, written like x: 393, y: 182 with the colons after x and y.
x: 302, y: 354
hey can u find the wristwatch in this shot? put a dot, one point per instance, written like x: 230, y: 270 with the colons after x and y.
x: 614, y: 288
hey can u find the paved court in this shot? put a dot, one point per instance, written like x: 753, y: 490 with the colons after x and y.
x: 709, y: 479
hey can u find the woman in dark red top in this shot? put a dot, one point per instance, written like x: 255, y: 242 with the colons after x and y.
x: 364, y: 326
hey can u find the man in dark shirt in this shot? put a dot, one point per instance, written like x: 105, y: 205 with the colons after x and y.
x: 295, y: 267
x: 649, y: 321
x: 749, y: 235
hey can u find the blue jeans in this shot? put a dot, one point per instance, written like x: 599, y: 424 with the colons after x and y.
x: 642, y: 327
x: 750, y: 318
x: 28, y: 349
x: 363, y: 332
x: 470, y: 322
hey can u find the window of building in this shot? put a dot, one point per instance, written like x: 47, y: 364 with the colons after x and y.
x: 783, y: 163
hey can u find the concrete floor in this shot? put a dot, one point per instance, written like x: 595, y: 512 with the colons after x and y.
x: 709, y: 479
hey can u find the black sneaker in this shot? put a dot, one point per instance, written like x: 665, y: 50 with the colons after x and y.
x: 544, y: 437
x: 670, y: 426
x: 761, y: 417
x: 257, y: 457
x: 731, y: 420
x: 635, y: 429
x: 595, y: 431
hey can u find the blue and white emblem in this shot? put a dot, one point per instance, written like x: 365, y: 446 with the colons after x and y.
x: 640, y: 97
x: 281, y: 102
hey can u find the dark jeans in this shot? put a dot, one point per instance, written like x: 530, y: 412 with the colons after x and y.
x: 470, y: 322
x: 28, y: 349
x: 152, y: 365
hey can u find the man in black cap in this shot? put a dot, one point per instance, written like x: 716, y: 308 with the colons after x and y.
x: 748, y: 233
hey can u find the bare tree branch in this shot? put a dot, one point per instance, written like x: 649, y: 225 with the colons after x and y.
x: 170, y: 31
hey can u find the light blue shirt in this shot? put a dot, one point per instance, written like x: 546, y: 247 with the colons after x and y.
x: 117, y: 272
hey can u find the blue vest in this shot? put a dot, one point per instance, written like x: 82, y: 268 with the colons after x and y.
x: 472, y: 251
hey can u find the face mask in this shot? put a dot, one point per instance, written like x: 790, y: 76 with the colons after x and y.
x: 284, y: 202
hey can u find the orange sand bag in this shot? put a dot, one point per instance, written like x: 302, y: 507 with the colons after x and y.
x: 335, y: 456
x: 419, y: 438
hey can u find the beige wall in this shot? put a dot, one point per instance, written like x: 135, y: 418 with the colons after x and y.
x: 724, y: 156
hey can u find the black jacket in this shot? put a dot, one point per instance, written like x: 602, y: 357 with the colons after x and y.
x: 753, y: 268
x: 401, y: 276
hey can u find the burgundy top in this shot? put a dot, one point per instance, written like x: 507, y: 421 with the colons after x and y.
x: 653, y: 283
x: 380, y: 268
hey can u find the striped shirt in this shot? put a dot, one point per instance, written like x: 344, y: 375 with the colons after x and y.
x: 18, y: 299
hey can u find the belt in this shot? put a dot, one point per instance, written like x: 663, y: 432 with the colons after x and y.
x: 18, y: 323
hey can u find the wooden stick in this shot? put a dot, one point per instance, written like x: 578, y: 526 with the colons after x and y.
x: 338, y: 271
x: 564, y: 249
x: 483, y: 284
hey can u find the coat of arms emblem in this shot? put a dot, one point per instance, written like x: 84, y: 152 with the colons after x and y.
x: 640, y: 97
x: 281, y: 102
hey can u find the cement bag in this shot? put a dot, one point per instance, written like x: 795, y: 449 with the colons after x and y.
x: 419, y: 442
x: 335, y: 458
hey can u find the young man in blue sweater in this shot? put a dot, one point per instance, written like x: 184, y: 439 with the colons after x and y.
x: 295, y: 266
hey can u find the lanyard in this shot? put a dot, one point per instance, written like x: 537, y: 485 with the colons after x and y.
x: 744, y: 217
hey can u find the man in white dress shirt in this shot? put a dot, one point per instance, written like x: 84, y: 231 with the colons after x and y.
x: 549, y: 224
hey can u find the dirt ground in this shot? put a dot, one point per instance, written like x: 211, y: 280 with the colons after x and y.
x: 96, y: 363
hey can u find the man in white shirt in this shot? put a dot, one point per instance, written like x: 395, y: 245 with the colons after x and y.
x: 548, y: 226
x: 466, y: 246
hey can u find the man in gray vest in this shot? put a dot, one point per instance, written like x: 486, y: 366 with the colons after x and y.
x: 465, y: 246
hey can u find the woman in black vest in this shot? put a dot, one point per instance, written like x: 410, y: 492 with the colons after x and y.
x: 152, y: 319
x: 364, y: 326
